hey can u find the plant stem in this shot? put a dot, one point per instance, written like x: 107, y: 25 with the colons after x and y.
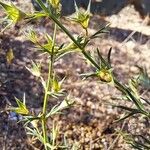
x: 86, y: 55
x: 86, y: 32
x: 45, y: 107
x: 48, y: 87
x: 51, y: 16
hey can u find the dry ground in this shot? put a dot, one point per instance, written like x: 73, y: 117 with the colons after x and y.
x: 89, y: 123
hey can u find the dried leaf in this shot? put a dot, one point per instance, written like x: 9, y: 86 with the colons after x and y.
x: 10, y: 56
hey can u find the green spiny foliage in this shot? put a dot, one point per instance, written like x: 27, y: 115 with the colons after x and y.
x: 53, y: 87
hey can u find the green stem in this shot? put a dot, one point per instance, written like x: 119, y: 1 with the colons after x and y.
x: 74, y: 40
x: 48, y: 87
x: 86, y: 32
x: 86, y: 55
x: 45, y: 106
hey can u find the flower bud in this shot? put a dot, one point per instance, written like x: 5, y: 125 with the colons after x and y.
x: 105, y: 75
x: 55, y: 3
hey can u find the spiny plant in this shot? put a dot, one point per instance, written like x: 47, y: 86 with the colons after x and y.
x: 52, y: 87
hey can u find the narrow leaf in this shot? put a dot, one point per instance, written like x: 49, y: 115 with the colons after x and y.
x: 21, y: 109
x: 108, y: 57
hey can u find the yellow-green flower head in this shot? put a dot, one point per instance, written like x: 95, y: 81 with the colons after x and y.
x: 55, y: 3
x: 82, y: 18
x: 105, y: 75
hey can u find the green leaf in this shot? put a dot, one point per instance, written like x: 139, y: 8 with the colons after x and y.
x: 49, y: 45
x: 139, y: 144
x: 56, y: 86
x: 21, y: 109
x: 55, y: 133
x: 132, y: 110
x: 108, y: 57
x: 35, y: 70
x: 36, y: 133
x: 126, y: 116
x: 89, y: 7
x: 57, y: 108
x: 136, y: 101
x: 32, y: 36
x: 133, y: 84
x: 128, y: 108
x: 13, y: 13
x: 87, y: 75
x: 104, y: 64
x: 36, y: 15
x: 43, y: 83
x: 70, y: 48
x: 31, y: 120
x: 99, y: 32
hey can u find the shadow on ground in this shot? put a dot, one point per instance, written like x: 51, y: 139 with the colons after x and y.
x: 15, y: 79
